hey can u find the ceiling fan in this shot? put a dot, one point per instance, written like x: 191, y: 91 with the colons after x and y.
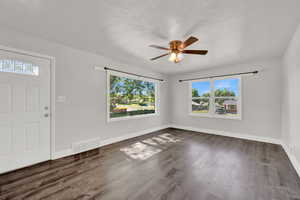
x: 177, y: 48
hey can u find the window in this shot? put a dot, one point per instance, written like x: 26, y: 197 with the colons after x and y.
x: 130, y: 96
x: 200, y: 97
x: 18, y: 67
x: 220, y: 98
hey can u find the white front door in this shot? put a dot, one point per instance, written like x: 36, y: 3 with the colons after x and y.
x: 24, y: 110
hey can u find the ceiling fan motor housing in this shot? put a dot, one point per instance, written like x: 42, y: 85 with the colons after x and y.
x: 176, y: 46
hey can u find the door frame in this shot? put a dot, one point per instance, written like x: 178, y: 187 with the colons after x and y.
x: 52, y: 90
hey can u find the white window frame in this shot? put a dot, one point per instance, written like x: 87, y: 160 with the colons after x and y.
x: 157, y: 99
x: 211, y: 111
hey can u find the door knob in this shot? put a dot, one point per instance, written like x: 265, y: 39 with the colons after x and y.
x: 46, y: 115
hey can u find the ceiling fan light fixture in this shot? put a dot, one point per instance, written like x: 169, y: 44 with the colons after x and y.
x: 172, y: 57
x: 177, y: 49
x: 176, y: 57
x: 180, y: 56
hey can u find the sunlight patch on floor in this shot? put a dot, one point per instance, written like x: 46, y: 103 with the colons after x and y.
x: 140, y: 151
x: 170, y: 138
x: 147, y: 148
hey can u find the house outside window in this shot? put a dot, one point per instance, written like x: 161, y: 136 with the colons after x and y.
x: 218, y: 98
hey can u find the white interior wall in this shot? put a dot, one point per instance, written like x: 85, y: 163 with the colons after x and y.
x: 291, y: 96
x: 83, y: 115
x: 261, y: 101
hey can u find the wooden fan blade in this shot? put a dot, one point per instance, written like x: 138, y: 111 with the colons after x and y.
x: 201, y: 52
x: 159, y: 47
x: 189, y: 41
x: 160, y: 56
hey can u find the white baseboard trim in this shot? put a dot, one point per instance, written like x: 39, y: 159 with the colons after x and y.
x: 69, y: 152
x: 229, y: 134
x: 294, y: 161
x: 285, y: 147
x: 61, y: 154
x: 132, y: 135
x: 292, y: 158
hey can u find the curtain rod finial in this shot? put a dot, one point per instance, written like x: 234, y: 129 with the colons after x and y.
x: 99, y: 68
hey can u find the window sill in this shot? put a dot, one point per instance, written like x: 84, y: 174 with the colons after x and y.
x: 132, y: 117
x: 215, y: 116
x: 207, y: 115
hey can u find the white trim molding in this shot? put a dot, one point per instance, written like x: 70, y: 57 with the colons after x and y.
x: 105, y: 142
x: 68, y: 152
x: 123, y: 75
x: 212, y: 105
x: 229, y: 134
x: 285, y: 147
x: 62, y: 154
x: 101, y: 142
x: 292, y: 157
x: 132, y: 135
x: 52, y: 88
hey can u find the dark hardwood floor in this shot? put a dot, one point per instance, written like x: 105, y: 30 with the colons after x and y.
x: 168, y: 164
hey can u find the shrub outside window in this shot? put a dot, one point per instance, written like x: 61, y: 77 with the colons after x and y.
x: 130, y: 97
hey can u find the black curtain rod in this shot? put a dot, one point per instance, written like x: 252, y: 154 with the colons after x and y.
x: 207, y: 77
x: 115, y: 70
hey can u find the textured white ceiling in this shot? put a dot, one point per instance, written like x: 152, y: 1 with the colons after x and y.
x: 231, y: 30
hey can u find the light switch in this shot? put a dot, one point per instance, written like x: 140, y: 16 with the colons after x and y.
x: 61, y: 99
